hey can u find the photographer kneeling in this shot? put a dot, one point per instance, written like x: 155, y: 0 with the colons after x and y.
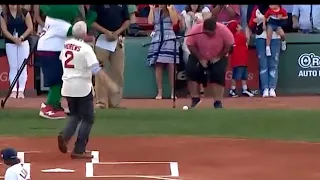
x: 208, y: 59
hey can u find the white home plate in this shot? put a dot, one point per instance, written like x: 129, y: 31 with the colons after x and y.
x: 58, y: 170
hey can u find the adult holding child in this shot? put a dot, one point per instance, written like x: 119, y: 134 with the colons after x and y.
x: 268, y: 65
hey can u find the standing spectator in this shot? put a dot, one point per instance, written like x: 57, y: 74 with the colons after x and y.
x: 112, y: 21
x: 162, y: 54
x: 268, y: 65
x: 306, y: 18
x: 179, y: 7
x: 288, y: 27
x: 39, y: 18
x: 244, y: 20
x: 16, y: 26
x: 239, y: 60
x: 225, y: 13
x: 143, y: 10
x: 208, y: 51
x: 193, y: 14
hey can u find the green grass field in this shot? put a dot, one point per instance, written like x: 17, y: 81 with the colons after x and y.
x: 297, y: 125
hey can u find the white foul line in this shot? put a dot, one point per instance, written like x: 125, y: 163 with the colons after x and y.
x: 95, y: 158
x: 138, y: 162
x: 174, y: 169
x: 20, y: 155
x: 89, y: 169
x: 136, y: 176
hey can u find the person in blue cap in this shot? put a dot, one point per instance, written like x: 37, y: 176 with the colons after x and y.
x: 15, y: 171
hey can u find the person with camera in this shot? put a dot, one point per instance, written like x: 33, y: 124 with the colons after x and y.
x: 208, y: 59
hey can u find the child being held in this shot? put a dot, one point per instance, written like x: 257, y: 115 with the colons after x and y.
x: 239, y: 60
x: 275, y: 18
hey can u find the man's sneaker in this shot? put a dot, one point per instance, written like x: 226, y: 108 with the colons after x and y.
x: 265, y: 93
x: 247, y: 92
x: 272, y: 92
x: 233, y: 93
x: 84, y: 155
x: 48, y: 112
x: 217, y: 104
x: 62, y: 144
x: 195, y: 102
x: 65, y: 110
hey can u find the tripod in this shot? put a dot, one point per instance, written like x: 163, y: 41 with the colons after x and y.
x: 175, y: 60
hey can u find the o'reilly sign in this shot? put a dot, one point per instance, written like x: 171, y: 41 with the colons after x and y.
x: 309, y: 65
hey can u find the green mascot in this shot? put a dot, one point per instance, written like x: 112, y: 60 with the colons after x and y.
x: 58, y: 26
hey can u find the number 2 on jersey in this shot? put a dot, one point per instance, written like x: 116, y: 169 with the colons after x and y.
x: 69, y: 56
x: 23, y: 174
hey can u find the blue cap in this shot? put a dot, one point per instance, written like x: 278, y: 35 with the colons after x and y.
x: 8, y: 153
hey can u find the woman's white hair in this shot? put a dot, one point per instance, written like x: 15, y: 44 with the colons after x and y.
x: 79, y: 29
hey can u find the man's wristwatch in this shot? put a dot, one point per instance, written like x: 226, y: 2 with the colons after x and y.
x: 22, y: 37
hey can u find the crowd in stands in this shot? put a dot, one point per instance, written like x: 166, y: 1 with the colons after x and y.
x: 267, y: 24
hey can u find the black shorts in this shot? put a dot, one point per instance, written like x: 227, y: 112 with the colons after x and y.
x: 215, y: 72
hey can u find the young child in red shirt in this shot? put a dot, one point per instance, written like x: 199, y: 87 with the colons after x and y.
x: 239, y: 60
x: 275, y: 18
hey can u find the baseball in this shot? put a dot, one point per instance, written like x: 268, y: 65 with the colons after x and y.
x: 185, y: 108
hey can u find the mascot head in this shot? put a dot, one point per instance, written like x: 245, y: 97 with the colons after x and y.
x: 67, y: 13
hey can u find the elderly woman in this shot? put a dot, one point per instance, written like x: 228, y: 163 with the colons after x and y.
x: 162, y: 54
x: 268, y: 64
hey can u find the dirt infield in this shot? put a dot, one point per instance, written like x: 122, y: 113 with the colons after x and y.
x: 172, y: 158
x: 197, y: 159
x: 309, y: 102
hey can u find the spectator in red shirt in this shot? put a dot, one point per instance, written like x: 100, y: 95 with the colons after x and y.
x: 239, y: 60
x: 208, y: 51
x: 276, y: 18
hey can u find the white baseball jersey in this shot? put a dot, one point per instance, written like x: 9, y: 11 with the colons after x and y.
x: 77, y: 57
x: 17, y: 172
x: 54, y: 35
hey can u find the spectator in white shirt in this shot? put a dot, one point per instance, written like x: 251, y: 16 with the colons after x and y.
x: 306, y: 18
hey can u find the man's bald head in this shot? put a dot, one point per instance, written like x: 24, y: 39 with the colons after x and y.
x: 79, y: 29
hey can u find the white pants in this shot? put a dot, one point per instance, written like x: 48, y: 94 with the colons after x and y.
x: 15, y: 55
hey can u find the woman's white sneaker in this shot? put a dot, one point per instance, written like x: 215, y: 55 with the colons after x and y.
x: 20, y: 95
x: 265, y: 93
x: 13, y: 94
x: 272, y: 93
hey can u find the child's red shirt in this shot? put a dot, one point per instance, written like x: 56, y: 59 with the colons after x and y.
x: 275, y: 14
x: 239, y: 56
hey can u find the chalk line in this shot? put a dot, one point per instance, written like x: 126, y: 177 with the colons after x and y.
x: 137, y: 162
x: 95, y: 158
x: 136, y: 176
x: 174, y: 169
